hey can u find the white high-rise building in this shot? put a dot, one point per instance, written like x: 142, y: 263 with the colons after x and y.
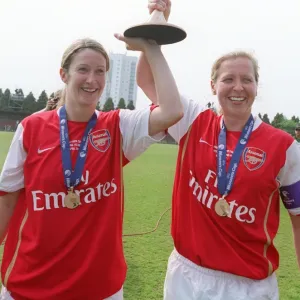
x: 121, y: 79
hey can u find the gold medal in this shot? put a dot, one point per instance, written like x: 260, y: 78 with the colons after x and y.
x: 72, y: 200
x: 222, y: 208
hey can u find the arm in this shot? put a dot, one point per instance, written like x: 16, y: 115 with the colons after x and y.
x: 145, y: 78
x: 7, y: 206
x: 289, y: 178
x: 11, y: 180
x: 144, y: 74
x: 296, y: 230
x: 170, y: 110
x: 51, y: 104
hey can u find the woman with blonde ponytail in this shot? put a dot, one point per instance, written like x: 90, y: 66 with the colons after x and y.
x: 61, y: 187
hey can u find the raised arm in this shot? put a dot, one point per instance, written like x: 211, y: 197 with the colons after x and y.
x: 170, y: 109
x: 144, y: 74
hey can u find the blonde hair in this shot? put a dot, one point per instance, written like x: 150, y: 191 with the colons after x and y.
x: 72, y: 50
x: 233, y: 55
x: 57, y: 94
x: 61, y: 98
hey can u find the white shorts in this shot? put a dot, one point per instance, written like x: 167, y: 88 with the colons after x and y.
x: 188, y: 281
x: 5, y: 295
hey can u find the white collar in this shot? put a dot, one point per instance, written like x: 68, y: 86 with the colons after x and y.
x: 96, y: 111
x: 257, y: 122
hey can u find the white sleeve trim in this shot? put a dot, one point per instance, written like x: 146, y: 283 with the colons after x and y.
x: 257, y: 122
x: 12, y: 175
x: 191, y: 111
x: 134, y: 127
x: 294, y: 211
x: 290, y: 172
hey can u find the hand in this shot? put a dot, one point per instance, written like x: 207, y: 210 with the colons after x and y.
x: 51, y: 104
x: 135, y: 44
x: 161, y: 5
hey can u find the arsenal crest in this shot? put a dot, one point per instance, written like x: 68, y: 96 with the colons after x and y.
x: 253, y: 158
x: 100, y: 139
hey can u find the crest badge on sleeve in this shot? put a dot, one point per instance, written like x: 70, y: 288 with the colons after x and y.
x: 254, y: 158
x: 100, y: 140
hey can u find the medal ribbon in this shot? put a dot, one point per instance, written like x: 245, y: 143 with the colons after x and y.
x: 226, y: 180
x: 73, y: 177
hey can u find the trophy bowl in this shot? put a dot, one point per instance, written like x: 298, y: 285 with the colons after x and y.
x: 157, y: 29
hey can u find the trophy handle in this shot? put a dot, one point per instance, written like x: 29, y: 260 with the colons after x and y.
x: 157, y: 17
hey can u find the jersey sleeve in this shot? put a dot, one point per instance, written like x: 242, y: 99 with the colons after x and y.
x: 289, y: 178
x: 12, y: 175
x: 134, y: 127
x: 191, y: 110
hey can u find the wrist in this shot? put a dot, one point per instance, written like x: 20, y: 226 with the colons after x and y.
x: 151, y: 49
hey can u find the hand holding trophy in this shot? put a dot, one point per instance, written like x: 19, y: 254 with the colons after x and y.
x: 157, y: 28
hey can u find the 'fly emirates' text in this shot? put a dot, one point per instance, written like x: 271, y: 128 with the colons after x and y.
x: 207, y: 198
x: 42, y: 201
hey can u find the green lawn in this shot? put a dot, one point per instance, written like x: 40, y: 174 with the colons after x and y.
x: 148, y: 187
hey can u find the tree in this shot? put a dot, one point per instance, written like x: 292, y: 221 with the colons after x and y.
x: 260, y: 116
x: 278, y: 119
x: 1, y: 95
x: 30, y: 104
x: 295, y: 119
x: 130, y: 105
x: 42, y: 101
x: 266, y: 119
x: 5, y: 100
x: 16, y: 100
x: 288, y: 126
x: 19, y: 92
x: 121, y: 104
x: 108, y: 105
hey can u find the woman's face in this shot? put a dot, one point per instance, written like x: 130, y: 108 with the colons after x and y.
x: 85, y: 79
x: 235, y: 86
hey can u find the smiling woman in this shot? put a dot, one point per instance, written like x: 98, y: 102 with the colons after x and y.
x: 61, y: 187
x: 83, y: 70
x: 234, y: 79
x: 232, y: 172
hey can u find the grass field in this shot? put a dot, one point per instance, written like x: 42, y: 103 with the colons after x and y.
x: 148, y: 186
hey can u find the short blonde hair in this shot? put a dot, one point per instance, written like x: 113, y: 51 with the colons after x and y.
x: 233, y: 55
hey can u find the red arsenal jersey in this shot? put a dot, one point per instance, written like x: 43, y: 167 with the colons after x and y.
x: 52, y: 252
x: 241, y: 243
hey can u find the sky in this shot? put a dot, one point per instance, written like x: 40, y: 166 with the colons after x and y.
x: 35, y: 33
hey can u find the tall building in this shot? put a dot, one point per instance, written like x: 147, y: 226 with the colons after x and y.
x: 121, y: 79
